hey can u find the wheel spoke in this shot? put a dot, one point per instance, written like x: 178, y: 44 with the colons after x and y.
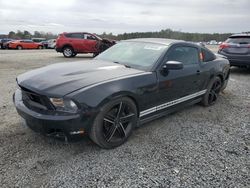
x: 127, y: 118
x: 110, y: 133
x: 217, y: 89
x: 215, y: 96
x: 108, y: 118
x: 210, y: 99
x: 214, y: 85
x: 120, y: 110
x: 121, y: 130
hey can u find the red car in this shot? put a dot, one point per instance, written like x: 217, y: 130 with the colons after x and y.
x: 70, y: 44
x: 24, y: 44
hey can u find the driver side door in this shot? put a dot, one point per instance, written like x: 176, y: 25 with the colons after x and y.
x: 90, y: 43
x: 181, y: 85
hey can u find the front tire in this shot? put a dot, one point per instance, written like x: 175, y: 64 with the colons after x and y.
x: 213, y: 90
x: 74, y: 54
x: 40, y: 47
x: 68, y: 52
x: 114, y: 123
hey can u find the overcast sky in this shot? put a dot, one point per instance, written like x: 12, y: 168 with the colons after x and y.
x: 119, y: 16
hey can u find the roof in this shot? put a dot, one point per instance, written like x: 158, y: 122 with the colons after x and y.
x: 241, y: 35
x: 156, y: 40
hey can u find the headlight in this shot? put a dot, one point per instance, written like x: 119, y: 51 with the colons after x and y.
x: 65, y: 105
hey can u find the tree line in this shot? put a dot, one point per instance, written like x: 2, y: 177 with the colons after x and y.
x: 28, y: 35
x: 171, y: 34
x: 167, y: 33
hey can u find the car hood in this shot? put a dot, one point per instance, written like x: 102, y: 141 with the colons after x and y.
x: 60, y: 79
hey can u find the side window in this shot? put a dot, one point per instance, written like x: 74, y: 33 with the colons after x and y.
x: 185, y: 54
x: 74, y: 35
x: 89, y: 37
x: 207, y: 55
x: 25, y: 41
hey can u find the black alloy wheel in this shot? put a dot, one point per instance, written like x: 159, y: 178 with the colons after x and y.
x: 213, y: 91
x: 115, y: 123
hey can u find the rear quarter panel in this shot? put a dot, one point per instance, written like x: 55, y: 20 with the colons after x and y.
x: 219, y: 67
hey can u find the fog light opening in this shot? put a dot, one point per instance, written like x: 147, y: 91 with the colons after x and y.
x: 80, y: 132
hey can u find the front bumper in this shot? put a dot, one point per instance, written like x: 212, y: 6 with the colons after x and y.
x: 54, y: 124
x: 58, y: 49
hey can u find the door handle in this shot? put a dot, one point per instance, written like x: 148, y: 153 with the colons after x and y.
x: 198, y: 72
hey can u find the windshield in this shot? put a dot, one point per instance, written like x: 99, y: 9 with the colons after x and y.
x: 139, y: 55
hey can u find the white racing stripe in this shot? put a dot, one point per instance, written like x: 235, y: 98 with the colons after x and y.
x: 171, y: 103
x: 148, y: 111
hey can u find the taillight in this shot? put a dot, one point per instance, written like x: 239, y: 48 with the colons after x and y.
x: 223, y: 46
x: 201, y: 56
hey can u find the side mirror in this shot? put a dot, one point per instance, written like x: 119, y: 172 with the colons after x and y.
x: 173, y: 65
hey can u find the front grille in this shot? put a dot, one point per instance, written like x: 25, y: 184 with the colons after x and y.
x: 35, y: 101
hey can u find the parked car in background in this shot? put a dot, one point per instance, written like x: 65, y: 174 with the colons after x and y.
x: 51, y: 43
x: 237, y: 49
x: 24, y: 44
x: 42, y: 41
x: 203, y: 44
x: 131, y: 83
x: 4, y: 41
x: 70, y: 44
x: 213, y: 42
x: 44, y: 44
x: 6, y: 44
x: 38, y: 39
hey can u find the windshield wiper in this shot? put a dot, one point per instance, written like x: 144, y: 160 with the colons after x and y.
x: 127, y: 66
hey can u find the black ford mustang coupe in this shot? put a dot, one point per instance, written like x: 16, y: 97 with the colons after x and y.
x: 131, y: 83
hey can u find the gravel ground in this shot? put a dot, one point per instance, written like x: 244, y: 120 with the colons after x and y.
x: 196, y: 147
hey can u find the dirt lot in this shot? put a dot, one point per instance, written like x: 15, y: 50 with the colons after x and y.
x: 196, y: 147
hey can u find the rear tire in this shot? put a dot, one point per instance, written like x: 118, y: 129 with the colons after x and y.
x: 224, y: 85
x: 40, y: 47
x: 19, y: 47
x: 114, y: 123
x: 68, y: 52
x: 213, y: 90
